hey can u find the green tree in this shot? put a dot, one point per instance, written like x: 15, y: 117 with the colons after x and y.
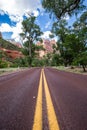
x: 56, y: 60
x: 2, y: 55
x: 72, y: 47
x: 60, y: 8
x: 61, y: 30
x: 20, y: 62
x: 80, y: 29
x: 31, y: 32
x: 81, y: 59
x: 3, y: 64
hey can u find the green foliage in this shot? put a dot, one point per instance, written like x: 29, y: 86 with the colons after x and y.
x: 2, y: 54
x: 60, y: 8
x: 21, y: 62
x: 37, y: 62
x: 80, y: 28
x: 7, y: 45
x: 15, y: 65
x: 81, y: 60
x: 3, y: 64
x: 60, y: 29
x: 71, y: 42
x: 31, y: 32
x: 71, y: 47
x: 35, y: 51
x: 56, y: 60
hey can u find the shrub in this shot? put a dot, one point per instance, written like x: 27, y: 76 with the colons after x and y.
x: 3, y: 64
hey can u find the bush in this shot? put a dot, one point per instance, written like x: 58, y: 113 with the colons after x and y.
x: 81, y: 60
x: 3, y: 64
x: 37, y: 63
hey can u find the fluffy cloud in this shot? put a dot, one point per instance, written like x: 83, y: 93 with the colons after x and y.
x: 66, y: 17
x: 16, y: 9
x: 36, y: 13
x: 16, y: 18
x: 19, y: 7
x: 15, y: 29
x: 6, y: 27
x: 46, y: 34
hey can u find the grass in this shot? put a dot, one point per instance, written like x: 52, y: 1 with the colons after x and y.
x: 9, y: 70
x: 78, y: 70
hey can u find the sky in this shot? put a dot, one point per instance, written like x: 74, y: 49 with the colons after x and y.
x: 13, y: 13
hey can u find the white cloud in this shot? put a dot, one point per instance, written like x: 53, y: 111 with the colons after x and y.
x: 16, y: 10
x: 55, y: 38
x: 15, y: 29
x: 5, y: 27
x: 46, y: 34
x: 15, y: 18
x: 19, y: 7
x: 66, y: 17
x: 36, y: 13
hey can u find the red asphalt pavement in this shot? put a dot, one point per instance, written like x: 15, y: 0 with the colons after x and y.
x: 17, y: 100
x: 18, y: 94
x: 69, y: 95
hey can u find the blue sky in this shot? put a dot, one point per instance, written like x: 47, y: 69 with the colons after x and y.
x: 12, y: 14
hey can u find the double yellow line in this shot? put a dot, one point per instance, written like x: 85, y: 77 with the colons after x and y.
x: 52, y: 119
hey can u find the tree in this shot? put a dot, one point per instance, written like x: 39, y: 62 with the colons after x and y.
x: 31, y: 32
x: 60, y: 8
x: 80, y: 28
x: 2, y: 55
x: 61, y: 30
x: 81, y: 59
x: 72, y: 47
x: 34, y: 49
x: 56, y: 60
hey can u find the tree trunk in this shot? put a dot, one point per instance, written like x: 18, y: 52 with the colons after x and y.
x: 84, y: 68
x: 29, y: 49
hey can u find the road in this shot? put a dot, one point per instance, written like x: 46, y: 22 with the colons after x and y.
x: 43, y: 99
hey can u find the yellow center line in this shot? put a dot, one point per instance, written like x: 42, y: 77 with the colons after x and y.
x: 52, y: 119
x: 37, y: 125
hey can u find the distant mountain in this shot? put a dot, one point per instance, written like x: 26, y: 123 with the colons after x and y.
x: 47, y: 45
x: 18, y: 44
x: 9, y: 51
x: 7, y: 45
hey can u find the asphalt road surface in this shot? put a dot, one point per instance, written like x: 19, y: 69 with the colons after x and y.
x: 43, y: 99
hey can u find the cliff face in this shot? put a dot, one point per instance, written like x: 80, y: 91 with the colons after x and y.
x: 11, y: 51
x: 47, y: 45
